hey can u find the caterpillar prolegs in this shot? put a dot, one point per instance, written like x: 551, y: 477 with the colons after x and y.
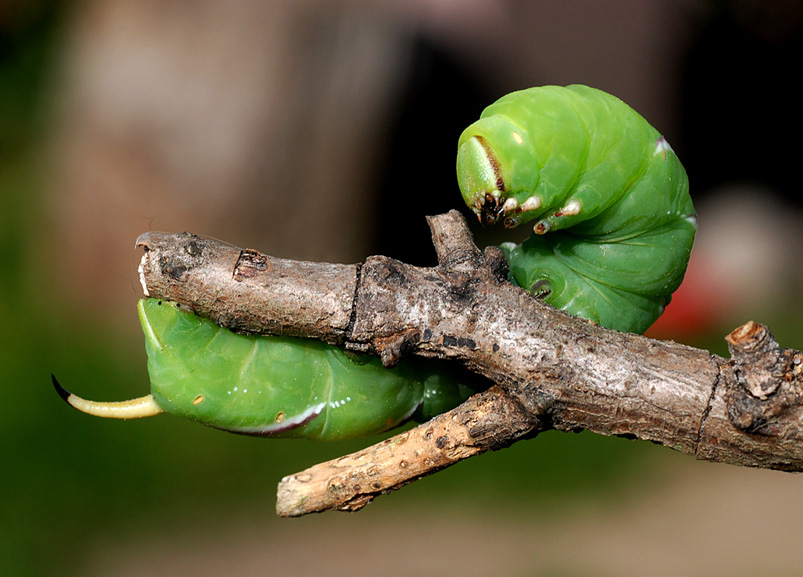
x: 613, y: 220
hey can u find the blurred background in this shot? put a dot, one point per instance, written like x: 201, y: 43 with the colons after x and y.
x: 326, y: 130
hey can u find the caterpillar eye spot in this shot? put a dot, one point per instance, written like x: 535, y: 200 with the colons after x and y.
x: 198, y: 400
x: 541, y: 288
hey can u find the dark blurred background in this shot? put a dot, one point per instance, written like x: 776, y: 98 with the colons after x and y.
x: 326, y: 130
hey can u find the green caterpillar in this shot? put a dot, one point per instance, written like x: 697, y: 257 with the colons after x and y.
x: 583, y: 165
x: 604, y: 184
x: 275, y: 386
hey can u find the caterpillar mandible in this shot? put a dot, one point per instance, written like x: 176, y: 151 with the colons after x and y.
x: 613, y: 220
x: 275, y: 386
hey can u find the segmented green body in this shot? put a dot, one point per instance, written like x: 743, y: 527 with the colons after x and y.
x: 614, y: 222
x: 283, y: 386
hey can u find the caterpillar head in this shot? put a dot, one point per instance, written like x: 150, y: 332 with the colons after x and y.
x: 495, y: 172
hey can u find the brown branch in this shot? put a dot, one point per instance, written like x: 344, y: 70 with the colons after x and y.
x: 487, y: 421
x: 551, y: 370
x: 247, y: 291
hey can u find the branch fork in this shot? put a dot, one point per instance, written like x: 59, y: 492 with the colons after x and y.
x: 550, y: 370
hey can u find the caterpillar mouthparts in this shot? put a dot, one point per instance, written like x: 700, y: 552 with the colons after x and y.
x: 496, y: 206
x: 491, y: 208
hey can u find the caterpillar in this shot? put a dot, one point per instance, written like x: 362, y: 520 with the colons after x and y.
x: 275, y: 386
x: 612, y: 234
x: 613, y: 220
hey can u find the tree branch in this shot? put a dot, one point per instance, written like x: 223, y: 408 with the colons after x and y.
x: 552, y: 370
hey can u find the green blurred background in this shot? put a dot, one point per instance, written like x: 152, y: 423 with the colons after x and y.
x: 299, y: 129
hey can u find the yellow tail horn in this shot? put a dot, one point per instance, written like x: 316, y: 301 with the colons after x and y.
x: 134, y: 409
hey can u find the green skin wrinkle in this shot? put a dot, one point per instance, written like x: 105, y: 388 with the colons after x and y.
x: 283, y: 386
x: 614, y: 222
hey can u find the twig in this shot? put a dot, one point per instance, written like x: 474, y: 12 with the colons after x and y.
x: 351, y: 482
x: 551, y: 370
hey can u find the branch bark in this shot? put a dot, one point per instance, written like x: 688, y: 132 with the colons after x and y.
x: 551, y: 370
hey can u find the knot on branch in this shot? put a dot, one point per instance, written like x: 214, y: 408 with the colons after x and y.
x: 496, y: 263
x: 393, y: 348
x: 499, y: 420
x: 765, y: 398
x: 400, y: 309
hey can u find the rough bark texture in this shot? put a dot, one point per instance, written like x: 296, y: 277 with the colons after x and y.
x: 485, y: 422
x: 249, y: 292
x: 551, y: 370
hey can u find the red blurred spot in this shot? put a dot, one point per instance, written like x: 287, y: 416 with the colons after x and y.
x: 696, y: 307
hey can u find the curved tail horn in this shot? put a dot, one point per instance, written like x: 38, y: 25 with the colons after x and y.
x: 134, y: 409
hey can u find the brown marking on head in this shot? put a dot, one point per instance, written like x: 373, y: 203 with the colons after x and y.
x: 490, y: 205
